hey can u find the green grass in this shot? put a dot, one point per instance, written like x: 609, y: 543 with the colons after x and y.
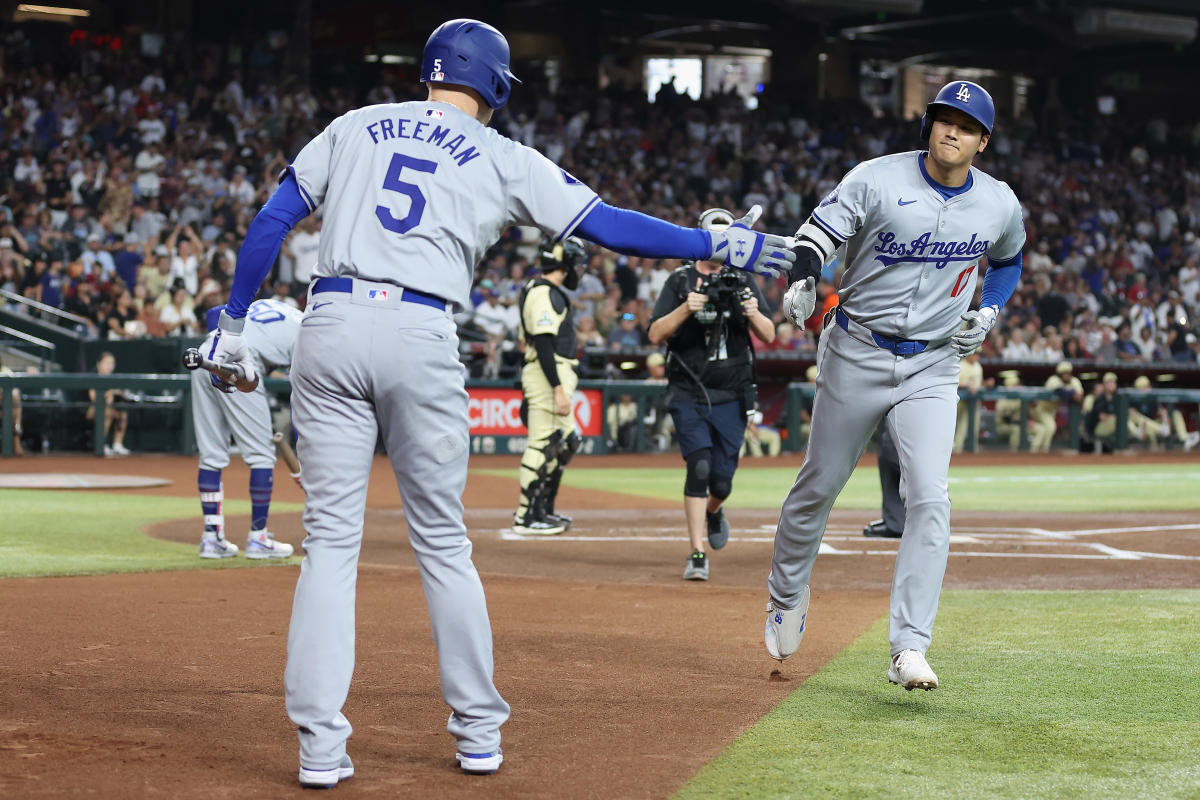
x: 1043, y: 694
x: 1086, y: 488
x: 91, y: 533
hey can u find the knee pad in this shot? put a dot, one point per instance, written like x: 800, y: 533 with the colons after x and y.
x: 720, y: 486
x: 699, y: 467
x: 573, y: 443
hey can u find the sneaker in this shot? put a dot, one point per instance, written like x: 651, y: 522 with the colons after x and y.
x: 120, y: 450
x: 1193, y: 438
x: 558, y: 519
x: 880, y: 530
x: 785, y: 627
x: 108, y: 451
x: 480, y: 763
x: 262, y: 544
x: 326, y: 778
x: 910, y: 670
x: 217, y: 548
x: 536, y: 527
x: 697, y: 567
x: 718, y: 528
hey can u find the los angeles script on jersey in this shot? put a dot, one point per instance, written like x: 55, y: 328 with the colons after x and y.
x: 941, y: 254
x: 431, y: 133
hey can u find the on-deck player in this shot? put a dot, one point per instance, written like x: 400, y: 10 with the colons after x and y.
x: 414, y: 194
x: 915, y: 226
x: 270, y: 335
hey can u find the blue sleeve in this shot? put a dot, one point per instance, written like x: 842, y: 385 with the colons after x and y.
x: 267, y: 232
x: 1000, y: 281
x: 637, y: 234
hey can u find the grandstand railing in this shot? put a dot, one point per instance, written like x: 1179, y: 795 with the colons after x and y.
x: 44, y: 357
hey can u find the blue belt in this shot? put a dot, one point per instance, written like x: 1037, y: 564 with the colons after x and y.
x: 900, y: 347
x: 407, y: 295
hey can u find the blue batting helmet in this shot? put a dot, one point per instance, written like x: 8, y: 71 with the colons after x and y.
x: 969, y: 98
x: 467, y: 52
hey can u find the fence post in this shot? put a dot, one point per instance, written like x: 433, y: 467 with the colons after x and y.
x: 100, y: 408
x: 6, y: 426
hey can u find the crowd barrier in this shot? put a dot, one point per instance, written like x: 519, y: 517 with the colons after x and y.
x: 160, y: 410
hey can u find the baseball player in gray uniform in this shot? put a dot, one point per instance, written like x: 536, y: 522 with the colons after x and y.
x: 270, y: 334
x: 414, y: 194
x: 915, y: 226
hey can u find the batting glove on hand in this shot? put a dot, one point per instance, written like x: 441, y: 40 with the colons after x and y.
x: 229, y: 349
x: 973, y: 331
x: 742, y: 248
x: 800, y: 301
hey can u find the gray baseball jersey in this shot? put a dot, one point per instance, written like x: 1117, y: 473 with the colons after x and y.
x: 270, y: 335
x: 415, y: 193
x: 911, y: 255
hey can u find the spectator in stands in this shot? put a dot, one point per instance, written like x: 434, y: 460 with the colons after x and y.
x: 1126, y: 348
x: 98, y: 263
x: 122, y: 320
x: 1016, y: 349
x: 586, y: 333
x: 185, y: 262
x: 178, y: 317
x: 628, y: 334
x: 115, y: 419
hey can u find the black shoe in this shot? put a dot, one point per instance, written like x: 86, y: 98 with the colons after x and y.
x: 718, y: 528
x: 879, y: 530
x: 558, y: 519
x: 531, y: 526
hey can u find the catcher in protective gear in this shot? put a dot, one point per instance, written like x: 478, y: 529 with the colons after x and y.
x: 548, y: 380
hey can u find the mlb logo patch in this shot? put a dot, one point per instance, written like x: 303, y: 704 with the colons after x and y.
x: 435, y: 113
x: 438, y: 76
x: 377, y: 294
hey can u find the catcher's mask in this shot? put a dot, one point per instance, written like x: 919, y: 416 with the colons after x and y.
x: 569, y: 255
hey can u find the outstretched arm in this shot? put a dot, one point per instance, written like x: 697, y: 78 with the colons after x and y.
x: 637, y: 234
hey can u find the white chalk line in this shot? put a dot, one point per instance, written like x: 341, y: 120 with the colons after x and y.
x: 1025, y: 537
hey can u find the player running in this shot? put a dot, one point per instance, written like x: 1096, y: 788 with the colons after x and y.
x: 270, y: 334
x: 915, y: 226
x: 414, y: 195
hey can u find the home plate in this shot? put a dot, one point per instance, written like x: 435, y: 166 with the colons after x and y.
x: 76, y: 480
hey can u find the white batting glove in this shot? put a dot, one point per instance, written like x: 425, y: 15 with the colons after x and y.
x: 229, y: 349
x: 973, y: 331
x: 742, y: 248
x: 800, y: 301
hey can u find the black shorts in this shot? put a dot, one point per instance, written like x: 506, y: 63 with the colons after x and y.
x: 722, y: 430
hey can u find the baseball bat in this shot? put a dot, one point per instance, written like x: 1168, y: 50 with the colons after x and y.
x: 285, y: 451
x: 193, y: 359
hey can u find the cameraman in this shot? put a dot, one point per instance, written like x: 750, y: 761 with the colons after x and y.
x: 706, y: 315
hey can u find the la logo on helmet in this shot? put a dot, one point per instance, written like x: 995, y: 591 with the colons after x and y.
x: 964, y: 94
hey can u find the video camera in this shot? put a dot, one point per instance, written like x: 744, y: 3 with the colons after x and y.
x: 724, y: 289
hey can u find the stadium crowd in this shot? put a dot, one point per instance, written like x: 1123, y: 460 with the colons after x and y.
x: 127, y: 189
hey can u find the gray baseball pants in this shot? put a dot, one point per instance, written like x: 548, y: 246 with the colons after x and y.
x: 857, y: 383
x: 364, y: 366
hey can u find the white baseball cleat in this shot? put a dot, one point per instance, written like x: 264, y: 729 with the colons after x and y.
x: 262, y: 544
x: 327, y: 778
x: 785, y: 627
x: 480, y: 763
x: 910, y: 670
x: 217, y: 548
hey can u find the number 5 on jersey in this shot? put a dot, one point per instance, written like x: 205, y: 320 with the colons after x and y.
x: 392, y: 183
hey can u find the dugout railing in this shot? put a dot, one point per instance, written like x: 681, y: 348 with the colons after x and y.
x: 66, y: 396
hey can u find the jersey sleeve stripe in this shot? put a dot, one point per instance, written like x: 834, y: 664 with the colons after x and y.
x: 829, y: 229
x: 308, y: 201
x: 574, y: 223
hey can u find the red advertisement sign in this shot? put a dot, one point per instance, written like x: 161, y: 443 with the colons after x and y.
x: 497, y: 412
